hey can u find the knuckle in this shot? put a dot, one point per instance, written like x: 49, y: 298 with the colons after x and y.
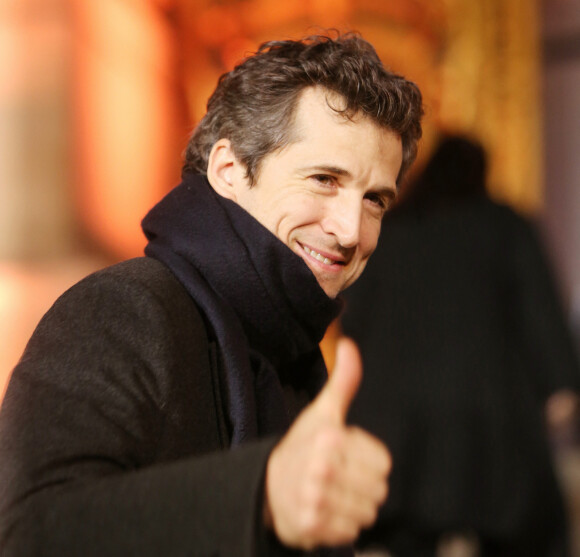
x: 324, y: 471
x: 388, y: 462
x: 317, y: 501
x: 370, y: 518
x: 329, y: 439
x: 347, y: 533
x: 373, y: 512
x: 310, y: 524
x: 382, y: 493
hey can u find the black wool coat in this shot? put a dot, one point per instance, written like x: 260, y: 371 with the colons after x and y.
x: 113, y: 435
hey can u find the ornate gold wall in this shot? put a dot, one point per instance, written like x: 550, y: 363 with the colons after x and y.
x: 490, y: 85
x: 137, y: 62
x: 477, y: 64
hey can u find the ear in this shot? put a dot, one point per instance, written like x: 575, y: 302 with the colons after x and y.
x: 224, y: 172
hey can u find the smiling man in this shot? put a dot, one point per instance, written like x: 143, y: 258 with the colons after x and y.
x: 177, y: 404
x: 323, y: 195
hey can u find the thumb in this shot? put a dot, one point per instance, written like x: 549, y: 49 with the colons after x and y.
x: 338, y: 393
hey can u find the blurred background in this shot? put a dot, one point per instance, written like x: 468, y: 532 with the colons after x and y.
x: 98, y: 97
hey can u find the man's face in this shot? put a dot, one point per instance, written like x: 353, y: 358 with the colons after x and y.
x: 325, y: 194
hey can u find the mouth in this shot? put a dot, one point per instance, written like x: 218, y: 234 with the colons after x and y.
x: 324, y: 259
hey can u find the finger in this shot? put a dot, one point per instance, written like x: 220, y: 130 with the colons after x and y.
x: 364, y: 467
x: 368, y: 452
x: 360, y: 509
x: 337, y: 395
x: 346, y: 508
x: 341, y: 530
x: 365, y: 483
x: 336, y: 530
x: 343, y: 474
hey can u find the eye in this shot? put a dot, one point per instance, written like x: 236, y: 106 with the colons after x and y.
x: 380, y: 201
x: 324, y: 179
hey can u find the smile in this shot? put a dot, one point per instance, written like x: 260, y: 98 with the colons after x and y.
x: 318, y: 256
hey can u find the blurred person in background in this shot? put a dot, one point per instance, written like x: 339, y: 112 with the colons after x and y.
x: 463, y: 342
x: 177, y: 404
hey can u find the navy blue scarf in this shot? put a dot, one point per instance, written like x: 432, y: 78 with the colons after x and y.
x: 261, y: 301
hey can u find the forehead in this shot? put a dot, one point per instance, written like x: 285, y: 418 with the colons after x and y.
x: 322, y: 105
x: 319, y: 129
x: 320, y: 111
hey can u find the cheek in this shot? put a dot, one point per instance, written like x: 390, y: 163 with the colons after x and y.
x: 298, y: 214
x: 283, y: 225
x: 369, y: 237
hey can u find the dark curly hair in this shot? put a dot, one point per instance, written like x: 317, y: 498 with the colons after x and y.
x: 253, y: 105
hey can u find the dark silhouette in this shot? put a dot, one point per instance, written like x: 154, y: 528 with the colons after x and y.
x: 463, y: 340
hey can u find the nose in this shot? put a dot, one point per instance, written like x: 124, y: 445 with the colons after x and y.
x: 343, y: 220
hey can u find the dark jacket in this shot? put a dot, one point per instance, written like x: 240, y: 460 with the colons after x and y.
x: 463, y: 340
x: 113, y: 420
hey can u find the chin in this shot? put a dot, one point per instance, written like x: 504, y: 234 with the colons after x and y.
x: 331, y: 292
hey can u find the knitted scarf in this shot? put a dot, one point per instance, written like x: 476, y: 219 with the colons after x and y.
x: 261, y: 302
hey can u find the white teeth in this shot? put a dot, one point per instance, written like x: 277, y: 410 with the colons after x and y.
x: 318, y: 256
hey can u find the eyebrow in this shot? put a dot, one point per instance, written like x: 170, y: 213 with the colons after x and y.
x: 327, y: 168
x: 338, y: 171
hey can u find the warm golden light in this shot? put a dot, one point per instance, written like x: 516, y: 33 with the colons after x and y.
x: 127, y: 137
x: 140, y: 72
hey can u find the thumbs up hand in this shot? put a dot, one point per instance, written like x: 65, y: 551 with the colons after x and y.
x: 325, y: 480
